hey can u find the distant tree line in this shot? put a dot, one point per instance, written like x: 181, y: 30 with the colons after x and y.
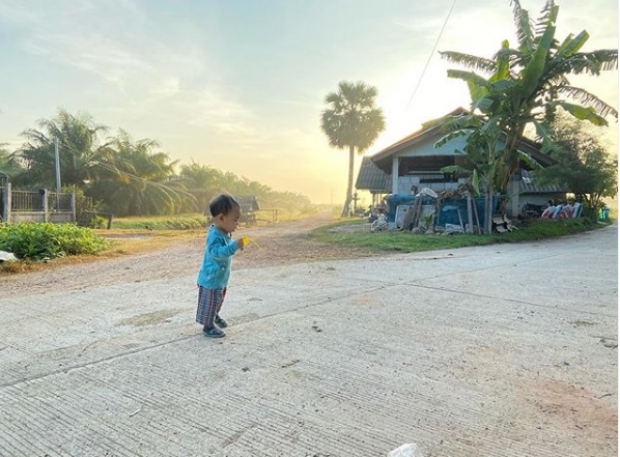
x: 124, y: 176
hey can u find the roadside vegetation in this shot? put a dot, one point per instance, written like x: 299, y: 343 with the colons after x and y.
x: 356, y: 233
x: 119, y: 175
x: 47, y: 241
x: 41, y: 246
x: 181, y: 222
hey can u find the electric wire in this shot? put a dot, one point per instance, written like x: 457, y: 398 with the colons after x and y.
x: 428, y: 61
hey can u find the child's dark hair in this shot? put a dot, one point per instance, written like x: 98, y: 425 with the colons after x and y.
x: 222, y: 204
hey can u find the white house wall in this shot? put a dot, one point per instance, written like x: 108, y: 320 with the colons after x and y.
x: 403, y: 184
x: 427, y: 148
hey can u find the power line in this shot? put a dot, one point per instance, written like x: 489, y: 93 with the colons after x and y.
x: 431, y: 55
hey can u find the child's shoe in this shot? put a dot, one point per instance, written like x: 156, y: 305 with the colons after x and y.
x: 213, y: 332
x: 220, y: 322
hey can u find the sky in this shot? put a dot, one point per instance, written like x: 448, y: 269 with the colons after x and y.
x: 240, y: 85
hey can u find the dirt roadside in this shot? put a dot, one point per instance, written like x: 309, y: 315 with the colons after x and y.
x: 280, y: 244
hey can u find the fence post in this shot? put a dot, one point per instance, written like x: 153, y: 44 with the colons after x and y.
x: 6, y: 196
x: 46, y: 213
x: 73, y: 208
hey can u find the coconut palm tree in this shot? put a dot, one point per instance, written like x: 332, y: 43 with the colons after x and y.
x: 527, y: 84
x: 79, y: 150
x: 197, y: 176
x: 352, y: 121
x: 203, y: 182
x: 9, y: 165
x: 133, y: 179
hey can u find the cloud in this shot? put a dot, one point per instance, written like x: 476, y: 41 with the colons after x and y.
x: 165, y: 87
x: 212, y: 107
x: 92, y: 53
x: 17, y: 14
x: 83, y: 34
x: 143, y: 73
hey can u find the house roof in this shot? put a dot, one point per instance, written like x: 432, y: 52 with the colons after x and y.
x: 371, y: 177
x: 433, y: 128
x: 247, y: 202
x: 528, y: 185
x: 429, y: 129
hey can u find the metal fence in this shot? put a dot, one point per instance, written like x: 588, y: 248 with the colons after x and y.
x: 36, y: 206
x: 25, y: 200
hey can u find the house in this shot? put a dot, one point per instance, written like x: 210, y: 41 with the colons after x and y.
x: 414, y: 162
x: 249, y: 206
x: 373, y: 179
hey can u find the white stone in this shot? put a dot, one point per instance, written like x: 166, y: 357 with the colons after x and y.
x: 7, y: 257
x: 406, y: 450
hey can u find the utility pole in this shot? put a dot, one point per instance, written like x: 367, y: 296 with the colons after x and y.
x: 57, y: 160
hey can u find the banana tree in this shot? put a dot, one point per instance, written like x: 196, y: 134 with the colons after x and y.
x: 528, y: 84
x: 483, y: 148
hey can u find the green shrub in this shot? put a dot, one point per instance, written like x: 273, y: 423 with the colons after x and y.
x: 98, y: 222
x: 41, y: 241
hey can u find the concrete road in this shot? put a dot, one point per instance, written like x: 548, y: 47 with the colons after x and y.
x: 504, y: 350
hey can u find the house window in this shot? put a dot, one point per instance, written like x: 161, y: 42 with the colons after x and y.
x: 427, y: 168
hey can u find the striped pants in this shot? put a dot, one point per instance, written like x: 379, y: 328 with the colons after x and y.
x: 209, y: 304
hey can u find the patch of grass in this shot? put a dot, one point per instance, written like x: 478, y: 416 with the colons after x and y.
x: 407, y: 242
x: 136, y: 241
x: 179, y: 222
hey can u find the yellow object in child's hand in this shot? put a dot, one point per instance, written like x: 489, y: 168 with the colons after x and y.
x: 245, y: 240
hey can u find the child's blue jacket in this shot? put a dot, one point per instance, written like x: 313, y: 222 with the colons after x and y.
x: 215, y: 270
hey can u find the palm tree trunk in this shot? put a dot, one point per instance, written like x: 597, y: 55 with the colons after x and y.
x: 347, y: 202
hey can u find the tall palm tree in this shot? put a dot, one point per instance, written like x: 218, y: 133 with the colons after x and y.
x: 527, y: 84
x: 352, y: 121
x: 79, y: 150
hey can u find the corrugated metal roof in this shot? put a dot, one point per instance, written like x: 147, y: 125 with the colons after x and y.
x: 372, y: 178
x: 247, y: 202
x: 527, y: 185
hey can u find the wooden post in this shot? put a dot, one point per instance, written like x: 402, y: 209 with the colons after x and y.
x: 470, y: 219
x: 46, y: 213
x: 477, y: 218
x: 458, y: 212
x: 73, y: 208
x: 6, y: 196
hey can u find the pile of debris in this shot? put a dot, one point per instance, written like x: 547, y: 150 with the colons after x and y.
x: 502, y: 224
